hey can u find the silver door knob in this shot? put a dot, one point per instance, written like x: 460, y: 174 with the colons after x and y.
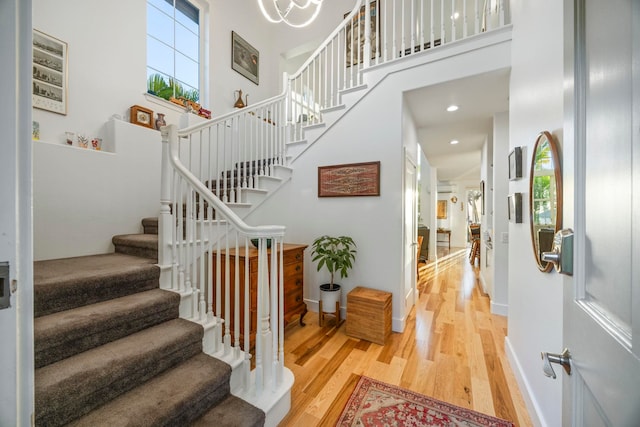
x: 563, y: 359
x: 561, y: 255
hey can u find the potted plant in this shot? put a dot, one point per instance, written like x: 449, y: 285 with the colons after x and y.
x: 337, y: 255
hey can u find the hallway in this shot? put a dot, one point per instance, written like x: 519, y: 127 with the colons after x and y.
x: 452, y: 349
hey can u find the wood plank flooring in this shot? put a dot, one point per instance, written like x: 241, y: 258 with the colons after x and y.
x: 452, y: 349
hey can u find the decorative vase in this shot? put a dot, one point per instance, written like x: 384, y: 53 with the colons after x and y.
x: 160, y: 121
x: 239, y: 102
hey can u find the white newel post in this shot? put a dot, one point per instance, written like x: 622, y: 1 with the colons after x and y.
x: 164, y: 220
x: 263, y: 350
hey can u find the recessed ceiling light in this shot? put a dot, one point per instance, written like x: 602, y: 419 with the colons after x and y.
x: 454, y: 142
x: 455, y: 15
x: 451, y: 108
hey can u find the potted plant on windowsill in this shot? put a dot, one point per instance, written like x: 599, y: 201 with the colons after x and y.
x: 337, y: 254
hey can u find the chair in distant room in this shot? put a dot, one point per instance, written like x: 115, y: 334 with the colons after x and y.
x: 418, y: 256
x: 423, y: 231
x: 474, y: 233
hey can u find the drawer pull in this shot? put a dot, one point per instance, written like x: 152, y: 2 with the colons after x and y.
x: 298, y: 282
x: 298, y: 298
x: 298, y: 267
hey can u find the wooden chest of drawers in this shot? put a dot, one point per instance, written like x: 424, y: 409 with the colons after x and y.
x: 293, y: 264
x: 369, y: 314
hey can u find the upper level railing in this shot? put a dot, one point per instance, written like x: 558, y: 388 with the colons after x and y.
x: 388, y: 30
x: 213, y: 166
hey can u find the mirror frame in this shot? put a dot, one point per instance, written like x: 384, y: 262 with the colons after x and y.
x: 553, y: 147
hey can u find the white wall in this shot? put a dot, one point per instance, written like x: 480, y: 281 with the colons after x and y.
x: 83, y: 197
x: 500, y: 226
x: 535, y: 299
x: 370, y: 132
x: 375, y: 223
x: 107, y: 60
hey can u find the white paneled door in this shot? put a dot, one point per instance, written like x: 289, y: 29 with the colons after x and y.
x: 602, y: 155
x: 410, y: 233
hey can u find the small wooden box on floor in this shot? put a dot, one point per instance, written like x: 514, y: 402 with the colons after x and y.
x: 369, y: 314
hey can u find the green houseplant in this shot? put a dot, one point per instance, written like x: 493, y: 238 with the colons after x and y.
x: 336, y: 254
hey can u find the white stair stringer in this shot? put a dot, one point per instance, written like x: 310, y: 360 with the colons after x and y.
x: 348, y: 98
x: 294, y: 148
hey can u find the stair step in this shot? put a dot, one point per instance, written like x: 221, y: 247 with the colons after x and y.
x: 150, y: 225
x: 173, y: 398
x: 67, y: 283
x: 64, y: 334
x: 141, y: 245
x: 77, y: 385
x: 232, y: 412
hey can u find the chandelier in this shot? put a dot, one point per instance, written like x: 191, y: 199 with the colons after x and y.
x: 296, y: 13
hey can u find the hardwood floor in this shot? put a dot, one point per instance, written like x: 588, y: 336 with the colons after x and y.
x: 452, y: 349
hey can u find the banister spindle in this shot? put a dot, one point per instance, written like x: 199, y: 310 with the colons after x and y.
x: 453, y: 20
x: 366, y: 53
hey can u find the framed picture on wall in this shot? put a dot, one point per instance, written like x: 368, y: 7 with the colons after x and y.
x: 49, y: 88
x: 141, y: 116
x: 515, y: 207
x: 441, y: 213
x: 515, y: 164
x: 245, y: 59
x: 348, y: 180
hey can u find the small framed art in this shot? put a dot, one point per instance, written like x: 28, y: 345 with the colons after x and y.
x: 515, y: 164
x: 49, y: 88
x: 141, y: 116
x: 354, y: 179
x: 245, y: 59
x: 515, y: 207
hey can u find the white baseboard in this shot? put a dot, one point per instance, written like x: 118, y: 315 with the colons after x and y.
x: 532, y: 405
x: 500, y: 309
x: 398, y: 325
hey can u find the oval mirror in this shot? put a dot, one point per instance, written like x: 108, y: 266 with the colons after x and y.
x: 545, y: 197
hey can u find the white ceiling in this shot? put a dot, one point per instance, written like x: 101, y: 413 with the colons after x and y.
x: 479, y: 98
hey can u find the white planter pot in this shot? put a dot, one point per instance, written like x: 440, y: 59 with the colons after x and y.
x: 329, y: 297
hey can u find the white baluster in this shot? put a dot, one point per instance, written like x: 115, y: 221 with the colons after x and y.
x: 280, y: 365
x: 442, y: 21
x: 403, y: 36
x: 247, y: 320
x: 366, y: 59
x: 453, y: 20
x: 227, y: 298
x: 432, y: 28
x: 412, y: 25
x: 236, y: 302
x: 464, y: 16
x: 421, y: 25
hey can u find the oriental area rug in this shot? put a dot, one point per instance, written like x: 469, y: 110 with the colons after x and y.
x: 374, y: 403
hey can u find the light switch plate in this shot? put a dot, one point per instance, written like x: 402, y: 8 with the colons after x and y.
x: 504, y: 237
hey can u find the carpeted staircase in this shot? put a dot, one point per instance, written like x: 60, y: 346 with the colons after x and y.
x: 110, y: 349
